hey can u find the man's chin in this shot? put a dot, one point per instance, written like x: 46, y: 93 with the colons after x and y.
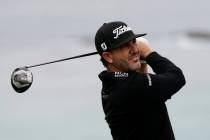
x: 135, y: 66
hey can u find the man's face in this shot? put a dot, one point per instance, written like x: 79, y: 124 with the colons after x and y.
x: 127, y: 57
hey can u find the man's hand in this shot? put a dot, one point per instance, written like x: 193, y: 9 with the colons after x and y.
x: 144, y: 48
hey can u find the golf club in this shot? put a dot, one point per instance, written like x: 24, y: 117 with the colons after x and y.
x: 22, y: 77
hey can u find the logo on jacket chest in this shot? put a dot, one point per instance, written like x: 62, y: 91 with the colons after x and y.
x: 120, y: 74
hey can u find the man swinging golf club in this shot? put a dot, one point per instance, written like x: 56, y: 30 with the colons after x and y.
x: 134, y: 100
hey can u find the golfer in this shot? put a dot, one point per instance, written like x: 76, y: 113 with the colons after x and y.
x: 134, y: 100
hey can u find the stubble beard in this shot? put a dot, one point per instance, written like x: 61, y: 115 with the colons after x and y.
x: 126, y: 66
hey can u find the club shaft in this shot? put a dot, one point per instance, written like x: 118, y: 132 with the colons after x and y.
x: 78, y: 56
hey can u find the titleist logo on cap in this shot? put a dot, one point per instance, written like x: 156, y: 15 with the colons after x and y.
x: 120, y: 30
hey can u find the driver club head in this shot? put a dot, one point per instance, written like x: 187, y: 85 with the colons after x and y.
x: 21, y: 79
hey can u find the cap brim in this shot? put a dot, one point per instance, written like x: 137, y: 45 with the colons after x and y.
x: 139, y: 35
x: 127, y: 40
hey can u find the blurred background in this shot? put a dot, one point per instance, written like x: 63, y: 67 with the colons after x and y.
x: 64, y: 100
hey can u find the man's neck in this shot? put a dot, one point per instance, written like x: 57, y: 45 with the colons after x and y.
x: 112, y: 68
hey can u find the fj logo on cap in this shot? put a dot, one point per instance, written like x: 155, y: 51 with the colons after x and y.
x: 103, y: 46
x: 120, y: 30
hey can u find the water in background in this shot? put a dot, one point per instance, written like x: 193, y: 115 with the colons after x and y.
x: 64, y: 100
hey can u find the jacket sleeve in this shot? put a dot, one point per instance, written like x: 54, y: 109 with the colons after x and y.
x: 167, y: 81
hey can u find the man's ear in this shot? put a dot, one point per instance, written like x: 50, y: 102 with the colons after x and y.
x: 107, y: 56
